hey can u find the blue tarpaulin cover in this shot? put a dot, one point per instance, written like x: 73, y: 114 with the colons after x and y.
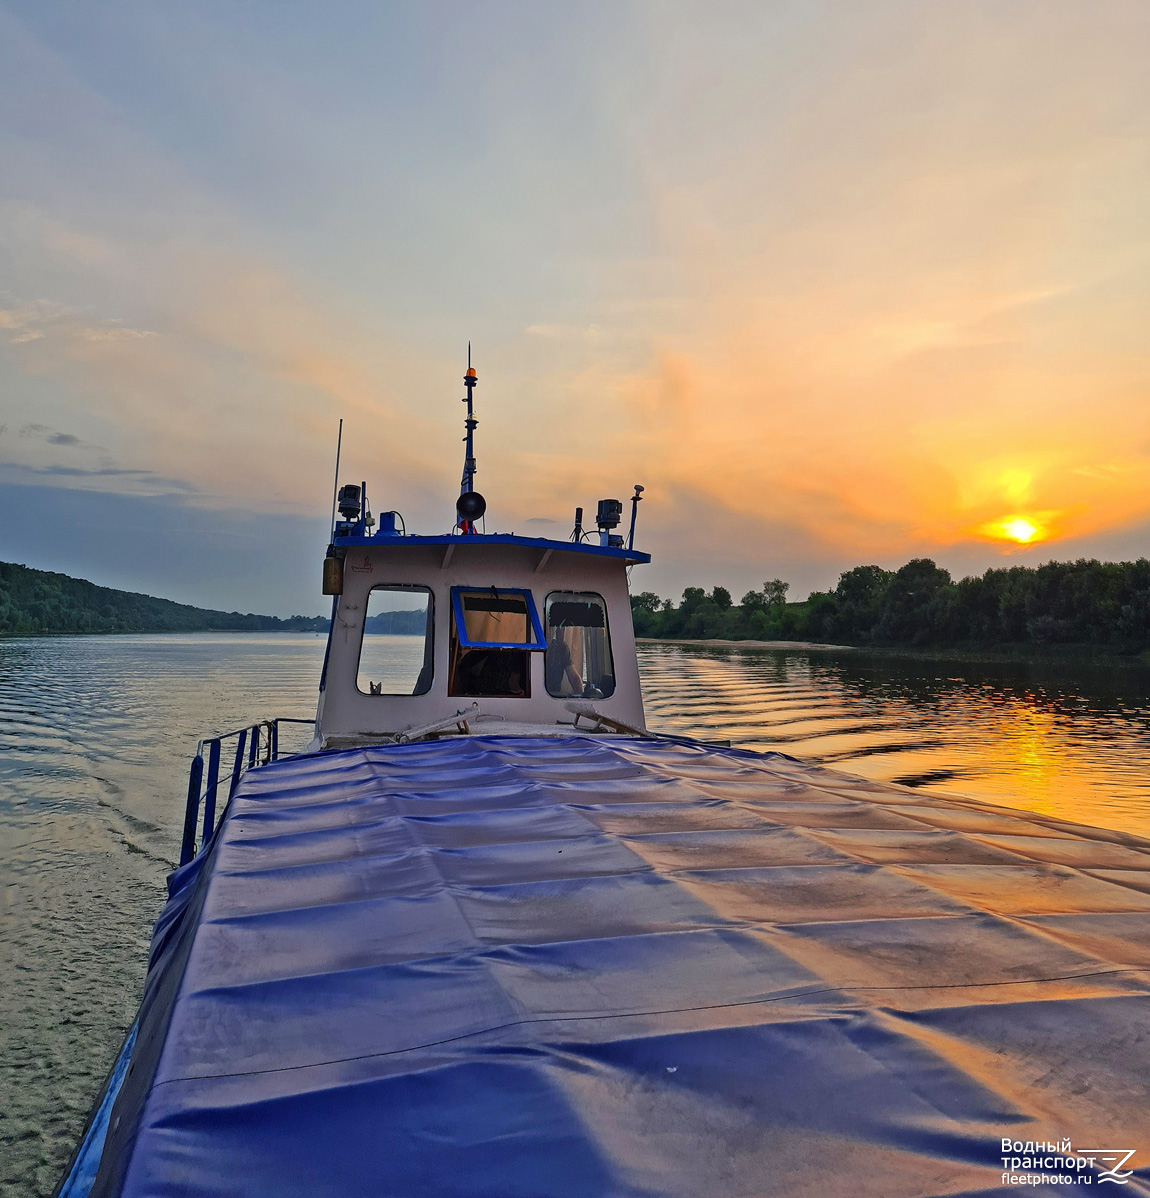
x: 583, y: 965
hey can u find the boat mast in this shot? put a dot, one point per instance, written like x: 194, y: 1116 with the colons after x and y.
x: 468, y: 483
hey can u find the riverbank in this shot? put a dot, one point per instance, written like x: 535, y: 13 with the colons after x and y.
x: 47, y: 634
x: 1064, y: 604
x: 41, y: 603
x: 720, y: 643
x: 1070, y: 654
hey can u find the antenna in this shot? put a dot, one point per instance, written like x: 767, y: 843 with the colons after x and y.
x: 335, y: 486
x: 467, y: 484
x: 636, y: 499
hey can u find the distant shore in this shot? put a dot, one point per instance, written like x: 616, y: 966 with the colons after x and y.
x: 45, y: 633
x: 1081, y: 608
x: 1050, y: 654
x: 42, y: 603
x: 675, y: 640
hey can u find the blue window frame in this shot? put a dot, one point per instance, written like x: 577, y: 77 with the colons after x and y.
x: 495, y: 611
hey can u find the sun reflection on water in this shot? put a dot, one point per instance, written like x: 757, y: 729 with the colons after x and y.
x: 1067, y: 741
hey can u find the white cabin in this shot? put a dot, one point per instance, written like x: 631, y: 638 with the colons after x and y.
x: 493, y: 633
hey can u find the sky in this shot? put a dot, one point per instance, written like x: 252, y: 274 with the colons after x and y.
x: 837, y: 283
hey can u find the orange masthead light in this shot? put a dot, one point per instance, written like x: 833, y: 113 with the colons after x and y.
x: 470, y: 373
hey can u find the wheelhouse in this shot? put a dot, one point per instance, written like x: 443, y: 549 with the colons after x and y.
x: 518, y: 627
x: 515, y: 631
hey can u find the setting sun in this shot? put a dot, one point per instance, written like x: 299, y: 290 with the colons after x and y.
x: 1020, y: 530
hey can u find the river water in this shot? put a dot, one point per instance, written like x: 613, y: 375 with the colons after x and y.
x: 96, y: 734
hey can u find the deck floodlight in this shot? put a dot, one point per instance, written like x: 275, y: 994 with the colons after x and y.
x: 349, y: 502
x: 609, y: 514
x: 470, y: 506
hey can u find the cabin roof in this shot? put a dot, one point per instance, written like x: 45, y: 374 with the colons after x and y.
x: 392, y: 540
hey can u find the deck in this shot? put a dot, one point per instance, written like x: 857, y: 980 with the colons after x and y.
x: 588, y: 965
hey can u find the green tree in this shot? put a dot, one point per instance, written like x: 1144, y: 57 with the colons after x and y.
x: 858, y: 603
x: 693, y: 598
x: 914, y: 603
x: 645, y: 613
x: 775, y: 592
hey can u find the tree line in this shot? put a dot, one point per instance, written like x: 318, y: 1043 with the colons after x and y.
x: 37, y: 601
x: 1060, y: 603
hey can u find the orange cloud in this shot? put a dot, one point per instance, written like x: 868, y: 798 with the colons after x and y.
x: 881, y: 296
x: 238, y: 386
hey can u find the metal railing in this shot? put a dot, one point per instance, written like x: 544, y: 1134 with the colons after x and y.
x: 256, y: 745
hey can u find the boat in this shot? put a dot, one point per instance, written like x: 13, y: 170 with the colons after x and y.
x: 491, y: 935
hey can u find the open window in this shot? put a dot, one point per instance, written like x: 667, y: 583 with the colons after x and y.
x: 396, y: 653
x: 493, y: 634
x: 578, y: 661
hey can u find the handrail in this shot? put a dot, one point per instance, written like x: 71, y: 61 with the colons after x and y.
x: 210, y: 790
x: 256, y: 745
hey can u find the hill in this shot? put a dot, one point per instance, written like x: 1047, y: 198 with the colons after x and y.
x: 396, y: 623
x: 36, y: 601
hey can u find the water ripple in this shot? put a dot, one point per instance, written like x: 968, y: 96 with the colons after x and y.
x: 1066, y: 740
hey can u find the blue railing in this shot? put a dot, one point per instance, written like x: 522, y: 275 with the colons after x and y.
x: 256, y: 744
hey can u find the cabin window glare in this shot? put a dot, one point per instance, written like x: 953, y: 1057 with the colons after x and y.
x: 578, y: 661
x: 396, y: 652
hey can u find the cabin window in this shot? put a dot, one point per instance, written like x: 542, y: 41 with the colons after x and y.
x: 395, y: 655
x: 578, y: 661
x: 493, y: 634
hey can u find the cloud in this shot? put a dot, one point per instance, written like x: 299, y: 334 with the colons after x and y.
x: 834, y: 289
x: 560, y: 332
x: 30, y: 321
x: 113, y: 331
x: 890, y: 314
x: 139, y: 481
x: 240, y: 380
x: 39, y: 319
x: 50, y: 436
